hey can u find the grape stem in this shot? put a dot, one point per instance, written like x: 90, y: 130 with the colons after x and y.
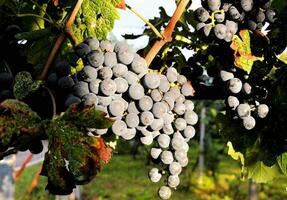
x: 145, y: 21
x: 53, y: 100
x: 167, y: 33
x: 61, y: 39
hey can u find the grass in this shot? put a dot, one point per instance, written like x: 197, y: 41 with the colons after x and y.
x: 126, y: 178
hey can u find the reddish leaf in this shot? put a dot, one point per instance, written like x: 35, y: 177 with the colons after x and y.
x: 104, y: 152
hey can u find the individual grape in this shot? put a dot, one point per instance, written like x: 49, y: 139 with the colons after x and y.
x: 180, y: 124
x: 175, y: 168
x: 246, y: 5
x: 124, y: 102
x: 119, y: 70
x: 177, y: 142
x: 164, y: 192
x: 155, y: 134
x: 262, y: 110
x: 151, y: 80
x: 168, y: 129
x: 146, y: 118
x: 200, y: 26
x: 66, y: 82
x: 116, y: 108
x: 234, y: 13
x: 63, y: 68
x: 126, y: 57
x: 171, y: 74
x: 94, y: 86
x: 183, y: 162
x: 90, y: 99
x: 72, y: 100
x: 243, y: 110
x: 220, y: 31
x: 187, y: 89
x: 168, y: 118
x: 166, y: 157
x: 106, y: 46
x: 179, y: 108
x: 144, y: 131
x: 130, y: 134
x: 226, y: 6
x: 214, y: 5
x: 139, y: 65
x: 169, y: 99
x: 105, y: 73
x: 101, y: 131
x: 249, y: 122
x: 225, y: 75
x: 145, y: 103
x: 104, y: 101
x: 36, y: 147
x: 154, y: 175
x: 270, y: 15
x: 233, y: 102
x: 235, y: 85
x: 132, y: 120
x: 159, y: 109
x: 147, y: 140
x: 81, y: 89
x: 181, y: 79
x: 108, y: 87
x: 175, y: 91
x: 163, y: 140
x: 136, y: 91
x: 191, y: 117
x: 157, y: 124
x: 231, y: 26
x: 52, y: 80
x: 164, y: 84
x: 155, y: 152
x: 110, y: 59
x: 121, y: 46
x: 96, y: 58
x: 207, y: 29
x: 132, y: 108
x: 251, y: 25
x: 260, y: 18
x: 156, y: 95
x: 202, y: 14
x: 90, y: 72
x: 180, y: 155
x: 219, y: 17
x: 173, y: 181
x: 189, y: 132
x: 102, y: 108
x: 189, y: 105
x: 131, y: 77
x: 247, y: 88
x: 82, y: 50
x: 93, y: 43
x: 122, y: 85
x: 119, y: 127
x: 180, y: 99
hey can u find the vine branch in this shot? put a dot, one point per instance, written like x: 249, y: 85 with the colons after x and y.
x: 167, y: 33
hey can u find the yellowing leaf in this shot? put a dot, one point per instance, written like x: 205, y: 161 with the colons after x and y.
x: 235, y: 155
x: 243, y: 57
x: 261, y: 173
x: 283, y: 56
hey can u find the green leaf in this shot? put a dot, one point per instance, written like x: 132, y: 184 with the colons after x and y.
x: 261, y: 173
x: 283, y: 56
x: 282, y: 162
x: 24, y: 85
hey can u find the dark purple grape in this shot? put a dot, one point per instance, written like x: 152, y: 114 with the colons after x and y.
x: 82, y: 50
x: 66, y: 82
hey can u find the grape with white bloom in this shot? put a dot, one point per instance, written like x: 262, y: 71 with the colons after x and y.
x: 247, y: 5
x: 119, y: 70
x: 262, y: 110
x: 116, y: 108
x: 181, y: 79
x: 106, y: 45
x: 132, y: 120
x: 136, y: 91
x: 155, y: 152
x: 168, y: 129
x: 108, y: 87
x: 214, y: 5
x: 164, y: 84
x: 163, y: 140
x: 154, y: 175
x: 151, y: 80
x: 93, y: 43
x: 139, y: 65
x: 189, y: 132
x: 145, y: 103
x: 171, y: 74
x: 121, y: 46
x: 130, y: 134
x: 90, y: 72
x: 96, y: 58
x: 119, y: 128
x: 173, y: 181
x: 225, y: 75
x: 191, y: 117
x: 169, y: 99
x: 180, y: 99
x: 155, y: 134
x: 104, y: 101
x: 168, y: 118
x: 202, y: 14
x: 131, y: 77
x: 235, y: 85
x: 177, y: 143
x: 94, y: 86
x: 132, y: 108
x: 180, y: 155
x: 187, y: 89
x: 159, y: 109
x: 179, y: 108
x: 166, y: 157
x: 180, y: 124
x: 146, y: 118
x: 122, y: 85
x: 220, y: 31
x: 147, y: 140
x: 249, y: 122
x: 90, y: 99
x: 110, y: 59
x: 234, y: 13
x: 164, y: 192
x: 156, y: 95
x: 175, y: 91
x: 126, y: 57
x: 247, y: 88
x: 243, y: 110
x: 175, y: 168
x: 183, y: 162
x: 105, y: 73
x: 189, y: 105
x: 233, y: 102
x: 157, y: 124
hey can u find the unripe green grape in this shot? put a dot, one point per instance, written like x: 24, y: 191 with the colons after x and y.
x: 145, y: 103
x: 108, y: 87
x: 249, y: 122
x: 146, y: 118
x: 191, y: 117
x: 175, y: 168
x: 105, y: 73
x: 220, y: 31
x: 233, y: 102
x: 132, y: 120
x: 119, y: 70
x: 235, y: 85
x: 155, y: 152
x: 166, y: 157
x: 119, y: 128
x: 164, y: 192
x: 159, y: 109
x: 173, y: 181
x: 262, y: 110
x: 243, y: 110
x: 156, y: 95
x: 163, y: 140
x: 110, y: 59
x: 136, y: 91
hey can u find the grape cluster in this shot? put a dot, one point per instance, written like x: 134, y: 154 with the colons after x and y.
x: 239, y: 89
x: 226, y: 18
x: 147, y: 104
